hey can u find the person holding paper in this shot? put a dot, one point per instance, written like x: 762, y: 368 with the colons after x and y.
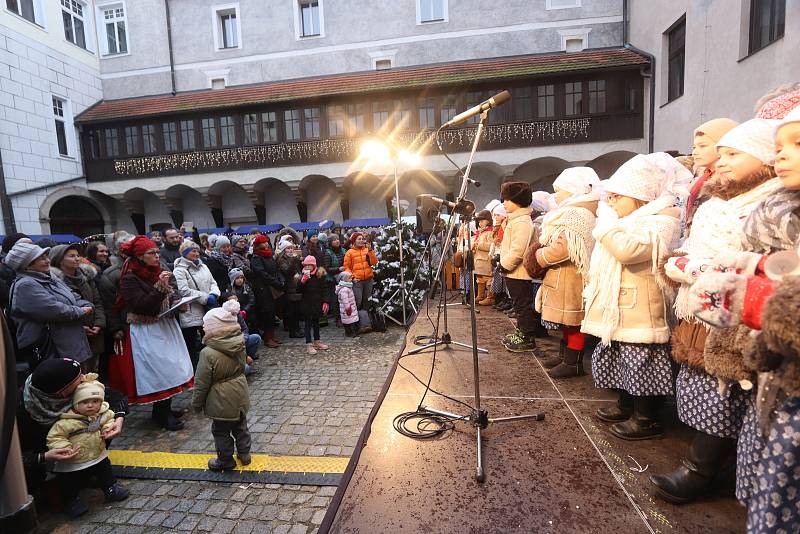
x: 154, y: 364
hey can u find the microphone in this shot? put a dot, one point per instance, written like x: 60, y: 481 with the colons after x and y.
x: 493, y: 102
x: 466, y: 208
x: 476, y: 183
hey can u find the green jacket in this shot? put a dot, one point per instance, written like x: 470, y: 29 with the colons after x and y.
x: 220, y: 388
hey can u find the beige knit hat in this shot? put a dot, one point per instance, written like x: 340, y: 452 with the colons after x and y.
x: 90, y: 388
x: 218, y: 319
x: 647, y: 177
x: 755, y: 137
x: 716, y: 128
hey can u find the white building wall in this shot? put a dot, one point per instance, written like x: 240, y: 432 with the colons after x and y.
x: 37, y: 63
x: 721, y: 80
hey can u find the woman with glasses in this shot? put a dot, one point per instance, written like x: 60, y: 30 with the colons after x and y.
x: 154, y: 365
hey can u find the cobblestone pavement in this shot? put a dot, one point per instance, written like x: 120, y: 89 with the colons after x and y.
x: 301, y: 405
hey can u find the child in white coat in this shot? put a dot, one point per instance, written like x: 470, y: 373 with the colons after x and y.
x: 347, y: 304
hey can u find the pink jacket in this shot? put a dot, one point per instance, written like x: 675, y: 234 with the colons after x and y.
x: 347, y: 300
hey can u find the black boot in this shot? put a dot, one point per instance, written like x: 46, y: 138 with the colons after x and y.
x: 571, y: 366
x: 620, y: 411
x: 221, y: 463
x: 643, y: 422
x: 162, y: 413
x: 698, y: 470
x: 552, y: 361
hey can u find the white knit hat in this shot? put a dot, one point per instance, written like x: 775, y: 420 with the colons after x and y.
x: 492, y: 205
x: 647, y: 177
x: 232, y: 307
x: 217, y: 319
x: 542, y: 201
x: 285, y: 241
x: 22, y: 254
x: 500, y: 210
x: 755, y: 137
x: 792, y: 116
x: 577, y: 180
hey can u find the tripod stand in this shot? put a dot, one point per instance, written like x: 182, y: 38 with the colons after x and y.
x: 478, y: 418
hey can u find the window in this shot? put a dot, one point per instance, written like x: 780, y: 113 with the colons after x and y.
x: 630, y: 95
x: 170, y: 136
x: 291, y: 122
x: 23, y: 8
x: 149, y: 138
x: 427, y: 113
x: 227, y: 130
x: 250, y: 127
x: 311, y: 116
x: 474, y: 98
x: 269, y: 127
x: 94, y: 144
x: 431, y: 11
x: 380, y: 114
x: 116, y: 35
x: 767, y: 22
x: 562, y: 4
x: 310, y: 18
x: 336, y: 120
x: 573, y: 98
x: 61, y: 125
x: 383, y: 64
x: 225, y: 20
x: 131, y: 140
x: 355, y: 119
x: 187, y: 135
x: 111, y: 139
x: 523, y: 104
x: 448, y: 109
x: 209, y: 130
x: 597, y: 96
x: 402, y: 114
x: 72, y: 14
x: 546, y: 101
x: 676, y: 39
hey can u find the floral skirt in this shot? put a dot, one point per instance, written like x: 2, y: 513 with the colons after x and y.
x: 641, y: 369
x: 704, y: 408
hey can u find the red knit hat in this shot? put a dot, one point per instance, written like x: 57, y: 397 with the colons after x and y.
x: 310, y: 260
x: 137, y: 246
x: 260, y: 239
x: 354, y: 236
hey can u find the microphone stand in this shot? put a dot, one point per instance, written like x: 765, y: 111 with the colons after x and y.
x: 478, y: 418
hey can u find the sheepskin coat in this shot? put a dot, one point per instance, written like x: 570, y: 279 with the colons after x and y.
x: 194, y: 280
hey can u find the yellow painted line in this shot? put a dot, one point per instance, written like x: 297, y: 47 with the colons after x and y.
x: 261, y: 462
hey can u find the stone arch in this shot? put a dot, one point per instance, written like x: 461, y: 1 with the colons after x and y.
x: 191, y: 204
x: 147, y: 205
x: 541, y: 172
x: 280, y: 202
x: 322, y: 198
x: 419, y: 182
x: 47, y: 206
x: 606, y: 164
x: 490, y: 175
x: 235, y: 203
x: 367, y: 194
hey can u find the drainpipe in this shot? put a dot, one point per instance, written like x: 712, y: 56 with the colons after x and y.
x: 644, y: 72
x: 169, y: 45
x: 9, y: 225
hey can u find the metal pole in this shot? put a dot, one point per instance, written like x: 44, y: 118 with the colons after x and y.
x: 400, y: 242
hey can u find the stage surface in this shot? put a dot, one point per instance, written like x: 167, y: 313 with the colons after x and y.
x: 565, y: 474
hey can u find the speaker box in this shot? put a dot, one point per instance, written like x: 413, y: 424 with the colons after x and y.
x: 427, y: 214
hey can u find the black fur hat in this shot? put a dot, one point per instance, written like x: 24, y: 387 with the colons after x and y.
x: 517, y: 192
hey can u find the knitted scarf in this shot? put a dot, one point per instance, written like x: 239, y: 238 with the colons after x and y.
x: 346, y: 284
x: 224, y: 259
x: 43, y: 408
x: 150, y: 273
x: 575, y: 224
x: 645, y: 225
x: 264, y: 252
x: 775, y: 224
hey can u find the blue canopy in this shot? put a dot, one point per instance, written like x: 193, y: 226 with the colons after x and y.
x: 303, y: 226
x: 58, y: 238
x: 365, y: 223
x: 266, y: 228
x: 218, y: 231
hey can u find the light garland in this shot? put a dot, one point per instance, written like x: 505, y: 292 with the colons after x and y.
x: 337, y: 149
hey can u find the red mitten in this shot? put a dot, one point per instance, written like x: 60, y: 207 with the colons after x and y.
x: 243, y: 314
x: 304, y: 279
x: 759, y: 289
x: 325, y: 308
x: 349, y: 310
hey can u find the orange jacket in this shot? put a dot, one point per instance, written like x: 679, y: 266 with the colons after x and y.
x: 355, y: 262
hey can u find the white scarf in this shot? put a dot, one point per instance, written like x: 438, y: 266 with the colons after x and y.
x: 645, y: 225
x: 575, y: 224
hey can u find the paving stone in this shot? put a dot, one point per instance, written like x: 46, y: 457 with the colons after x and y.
x: 234, y: 511
x: 207, y: 523
x: 217, y: 508
x: 198, y: 507
x: 173, y: 519
x: 188, y: 523
x: 156, y: 519
x: 140, y: 518
x: 319, y: 515
x: 224, y: 526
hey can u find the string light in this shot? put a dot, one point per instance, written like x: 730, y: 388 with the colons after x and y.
x: 566, y: 130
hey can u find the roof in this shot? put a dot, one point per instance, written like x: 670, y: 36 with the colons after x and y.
x: 439, y: 74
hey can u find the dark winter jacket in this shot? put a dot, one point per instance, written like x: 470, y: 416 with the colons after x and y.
x: 7, y: 276
x: 333, y: 261
x: 168, y: 256
x: 219, y: 271
x: 40, y: 300
x: 265, y: 276
x: 289, y: 266
x: 108, y: 284
x: 314, y: 293
x: 143, y: 300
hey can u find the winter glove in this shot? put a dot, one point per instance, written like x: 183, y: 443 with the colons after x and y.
x: 349, y: 310
x: 243, y: 314
x: 211, y: 300
x: 725, y: 300
x: 737, y: 261
x: 685, y: 270
x: 325, y: 308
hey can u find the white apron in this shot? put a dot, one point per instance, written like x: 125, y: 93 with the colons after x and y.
x: 160, y: 358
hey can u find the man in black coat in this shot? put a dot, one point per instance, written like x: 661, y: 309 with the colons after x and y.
x: 171, y: 249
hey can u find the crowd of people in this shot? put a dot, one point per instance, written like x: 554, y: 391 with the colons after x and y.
x: 133, y: 319
x: 679, y: 275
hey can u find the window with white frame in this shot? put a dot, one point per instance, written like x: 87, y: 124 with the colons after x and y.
x: 431, y: 11
x: 74, y: 26
x: 115, y: 27
x: 309, y: 18
x: 63, y: 122
x: 227, y: 34
x: 562, y: 4
x: 29, y: 10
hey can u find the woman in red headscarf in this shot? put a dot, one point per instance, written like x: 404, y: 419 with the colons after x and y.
x: 154, y: 364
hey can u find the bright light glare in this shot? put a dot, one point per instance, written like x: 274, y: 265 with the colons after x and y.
x: 409, y: 157
x: 375, y: 151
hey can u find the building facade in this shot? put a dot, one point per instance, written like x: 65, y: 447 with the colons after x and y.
x: 239, y: 113
x: 713, y: 58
